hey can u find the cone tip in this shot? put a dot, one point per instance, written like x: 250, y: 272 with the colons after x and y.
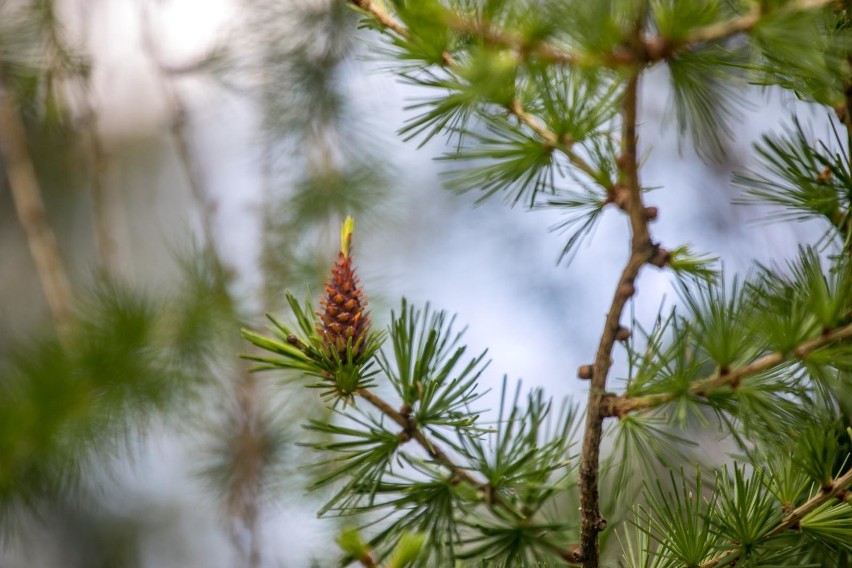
x: 346, y: 235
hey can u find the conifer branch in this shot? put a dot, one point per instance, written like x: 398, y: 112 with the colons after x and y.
x: 29, y: 205
x: 180, y: 138
x: 563, y: 144
x: 410, y: 430
x: 642, y: 251
x: 620, y: 405
x: 381, y: 16
x: 837, y: 490
x: 103, y: 220
x: 648, y: 49
x: 544, y: 51
x: 658, y: 47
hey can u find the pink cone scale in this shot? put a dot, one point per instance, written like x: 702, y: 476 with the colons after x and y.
x: 344, y: 320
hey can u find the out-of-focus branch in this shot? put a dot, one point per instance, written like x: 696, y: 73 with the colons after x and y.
x: 29, y: 205
x: 180, y: 138
x: 104, y: 222
x: 248, y: 453
x: 624, y: 404
x: 648, y: 49
x: 104, y: 236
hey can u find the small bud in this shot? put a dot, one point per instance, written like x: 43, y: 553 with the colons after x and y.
x: 584, y: 372
x: 295, y: 342
x: 626, y: 289
x: 623, y: 334
x: 651, y: 213
x: 661, y: 257
x: 657, y: 48
x: 601, y: 524
x: 620, y: 196
x: 575, y: 553
x: 351, y: 543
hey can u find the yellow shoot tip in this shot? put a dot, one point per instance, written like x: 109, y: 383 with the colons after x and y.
x: 346, y: 235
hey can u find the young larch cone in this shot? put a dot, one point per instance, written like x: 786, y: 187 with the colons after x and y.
x: 343, y: 315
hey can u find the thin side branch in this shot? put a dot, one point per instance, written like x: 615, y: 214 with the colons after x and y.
x: 381, y: 16
x: 180, y: 138
x: 460, y: 474
x: 723, y: 30
x: 837, y: 488
x: 562, y: 144
x: 434, y: 451
x: 515, y: 108
x: 102, y: 217
x: 29, y: 205
x: 624, y: 404
x: 650, y: 49
x: 542, y: 50
x: 790, y: 521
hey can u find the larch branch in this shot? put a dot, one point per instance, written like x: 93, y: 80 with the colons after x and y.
x: 624, y: 404
x: 381, y: 16
x: 460, y: 474
x: 657, y: 48
x: 29, y: 205
x: 747, y: 21
x: 648, y: 49
x: 562, y: 144
x: 791, y: 520
x: 642, y: 251
x: 434, y: 451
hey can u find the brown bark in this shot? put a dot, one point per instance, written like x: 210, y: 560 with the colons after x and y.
x: 29, y: 205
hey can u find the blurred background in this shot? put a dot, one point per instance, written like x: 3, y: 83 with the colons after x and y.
x: 168, y: 169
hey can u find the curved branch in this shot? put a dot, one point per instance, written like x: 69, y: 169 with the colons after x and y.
x: 620, y: 405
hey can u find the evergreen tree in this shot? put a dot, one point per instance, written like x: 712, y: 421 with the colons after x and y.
x: 540, y: 98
